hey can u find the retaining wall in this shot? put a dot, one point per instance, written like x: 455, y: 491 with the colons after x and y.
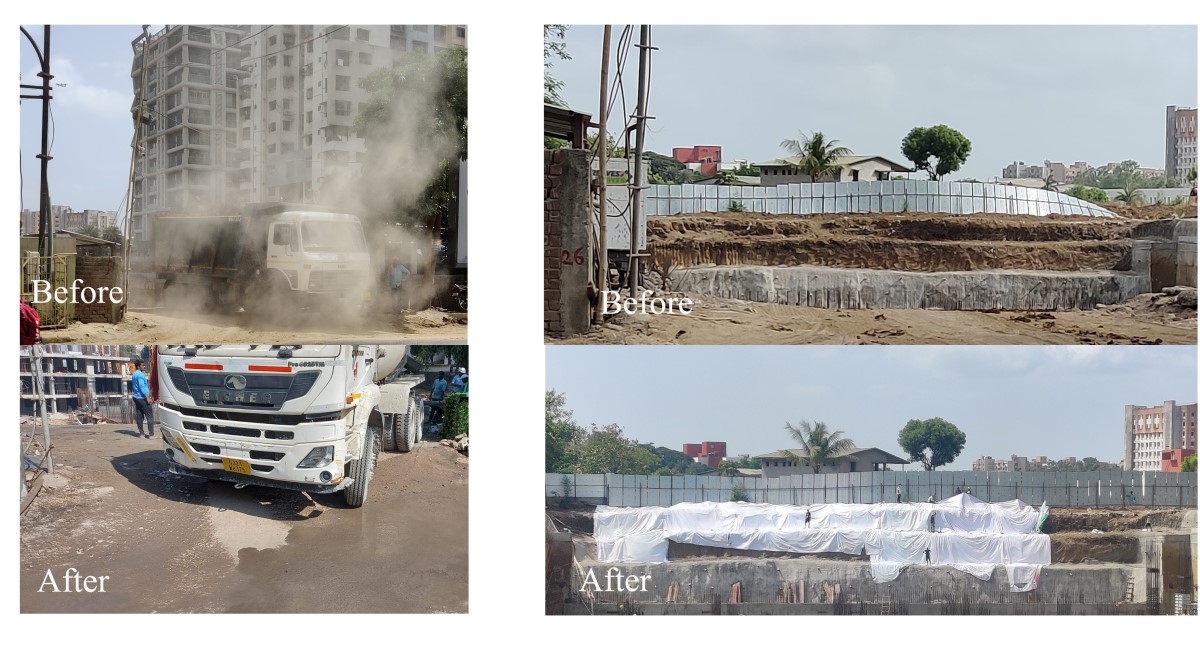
x: 836, y: 288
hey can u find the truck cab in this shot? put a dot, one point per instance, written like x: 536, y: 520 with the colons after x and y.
x: 300, y: 417
x: 318, y: 252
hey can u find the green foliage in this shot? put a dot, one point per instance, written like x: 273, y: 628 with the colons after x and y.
x: 934, y: 442
x: 553, y: 47
x: 457, y: 415
x: 562, y: 435
x: 672, y: 462
x: 726, y: 177
x: 737, y: 206
x: 606, y: 450
x: 747, y: 170
x: 1191, y: 175
x: 90, y: 229
x: 455, y: 355
x: 398, y: 97
x: 1122, y: 176
x: 113, y: 234
x: 818, y: 155
x: 1091, y: 194
x: 1130, y: 195
x: 567, y: 490
x: 818, y: 444
x: 1089, y: 464
x: 730, y: 467
x: 739, y: 493
x: 668, y: 170
x: 614, y: 151
x: 554, y: 143
x: 1189, y: 463
x: 949, y: 147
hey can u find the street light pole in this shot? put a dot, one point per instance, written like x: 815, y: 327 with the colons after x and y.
x: 45, y: 234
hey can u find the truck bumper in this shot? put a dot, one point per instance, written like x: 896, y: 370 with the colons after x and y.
x: 192, y: 445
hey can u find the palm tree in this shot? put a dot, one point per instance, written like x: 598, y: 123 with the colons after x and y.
x: 1130, y: 195
x: 818, y: 156
x: 817, y: 444
x: 1049, y: 184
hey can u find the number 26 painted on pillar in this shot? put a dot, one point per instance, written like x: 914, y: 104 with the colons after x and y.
x: 569, y: 258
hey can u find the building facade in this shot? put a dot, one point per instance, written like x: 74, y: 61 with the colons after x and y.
x: 863, y: 459
x: 705, y: 158
x: 708, y: 453
x: 1149, y: 431
x: 849, y: 169
x: 239, y: 114
x: 1180, y: 141
x: 1018, y: 169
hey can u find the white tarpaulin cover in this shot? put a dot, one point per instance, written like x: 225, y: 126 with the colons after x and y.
x: 967, y: 534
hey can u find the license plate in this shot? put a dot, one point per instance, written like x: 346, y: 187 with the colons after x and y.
x: 236, y: 465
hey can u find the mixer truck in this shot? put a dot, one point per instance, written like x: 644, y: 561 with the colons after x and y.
x: 269, y: 256
x: 299, y: 417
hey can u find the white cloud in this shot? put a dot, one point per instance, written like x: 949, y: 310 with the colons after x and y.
x: 79, y: 95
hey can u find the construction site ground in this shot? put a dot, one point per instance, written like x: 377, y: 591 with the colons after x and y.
x: 304, y: 326
x: 179, y: 544
x: 899, y: 242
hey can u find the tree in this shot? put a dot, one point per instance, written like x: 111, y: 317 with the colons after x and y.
x: 1189, y: 463
x: 1049, y: 184
x: 454, y: 355
x: 667, y: 170
x: 934, y: 442
x: 553, y: 47
x: 949, y: 147
x: 817, y: 444
x: 90, y: 230
x: 606, y: 450
x: 418, y: 107
x: 1130, y: 195
x: 614, y: 150
x: 739, y: 493
x: 562, y: 434
x: 113, y: 234
x: 818, y: 156
x: 726, y: 177
x: 1191, y: 175
x: 747, y: 169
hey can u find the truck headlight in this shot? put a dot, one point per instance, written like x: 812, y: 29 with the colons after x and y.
x: 318, y: 457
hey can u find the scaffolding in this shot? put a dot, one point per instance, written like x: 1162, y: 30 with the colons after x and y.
x: 34, y: 469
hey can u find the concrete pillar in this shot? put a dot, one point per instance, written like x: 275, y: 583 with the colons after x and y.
x: 53, y: 389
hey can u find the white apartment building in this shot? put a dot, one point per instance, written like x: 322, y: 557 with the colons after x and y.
x: 259, y: 112
x: 1150, y: 430
x: 1180, y: 141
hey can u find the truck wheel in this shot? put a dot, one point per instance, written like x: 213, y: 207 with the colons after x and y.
x: 407, y: 427
x: 389, y: 434
x: 362, y: 469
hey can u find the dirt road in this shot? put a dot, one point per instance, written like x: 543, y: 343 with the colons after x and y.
x: 721, y: 322
x: 149, y: 327
x: 177, y: 544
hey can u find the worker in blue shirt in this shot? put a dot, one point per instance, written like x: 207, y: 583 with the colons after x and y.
x: 436, y: 399
x: 142, y: 401
x: 459, y: 381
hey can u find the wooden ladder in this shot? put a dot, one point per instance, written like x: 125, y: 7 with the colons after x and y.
x: 886, y: 608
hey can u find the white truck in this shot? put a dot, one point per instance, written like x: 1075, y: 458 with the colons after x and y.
x: 269, y: 254
x: 300, y: 417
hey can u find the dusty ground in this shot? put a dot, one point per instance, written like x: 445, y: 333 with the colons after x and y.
x: 152, y: 327
x: 901, y: 242
x: 179, y: 544
x: 719, y: 321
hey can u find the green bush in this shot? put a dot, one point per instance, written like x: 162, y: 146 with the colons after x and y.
x: 456, y: 415
x: 737, y: 206
x: 1090, y: 194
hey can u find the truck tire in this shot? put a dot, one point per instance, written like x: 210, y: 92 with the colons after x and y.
x: 389, y: 434
x: 407, y: 427
x: 362, y: 469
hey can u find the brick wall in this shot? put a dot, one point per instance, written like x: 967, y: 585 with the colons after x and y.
x: 97, y: 272
x: 552, y: 235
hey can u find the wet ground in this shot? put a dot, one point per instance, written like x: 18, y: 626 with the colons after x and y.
x: 177, y: 544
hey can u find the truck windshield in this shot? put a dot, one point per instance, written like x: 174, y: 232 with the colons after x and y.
x: 332, y: 236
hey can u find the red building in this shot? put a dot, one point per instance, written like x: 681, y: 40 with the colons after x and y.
x: 1172, y: 459
x: 708, y: 157
x: 709, y: 453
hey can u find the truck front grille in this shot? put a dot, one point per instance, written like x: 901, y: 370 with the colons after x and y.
x: 329, y: 281
x: 261, y: 391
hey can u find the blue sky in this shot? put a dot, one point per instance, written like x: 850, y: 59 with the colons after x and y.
x: 1092, y: 93
x: 1055, y: 401
x: 92, y: 125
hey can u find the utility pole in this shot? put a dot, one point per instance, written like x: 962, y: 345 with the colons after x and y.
x: 139, y: 114
x: 639, y: 176
x: 602, y: 143
x: 45, y: 225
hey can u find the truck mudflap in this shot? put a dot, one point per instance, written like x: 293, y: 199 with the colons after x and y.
x: 231, y: 477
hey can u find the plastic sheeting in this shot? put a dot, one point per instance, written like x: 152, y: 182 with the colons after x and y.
x: 967, y: 534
